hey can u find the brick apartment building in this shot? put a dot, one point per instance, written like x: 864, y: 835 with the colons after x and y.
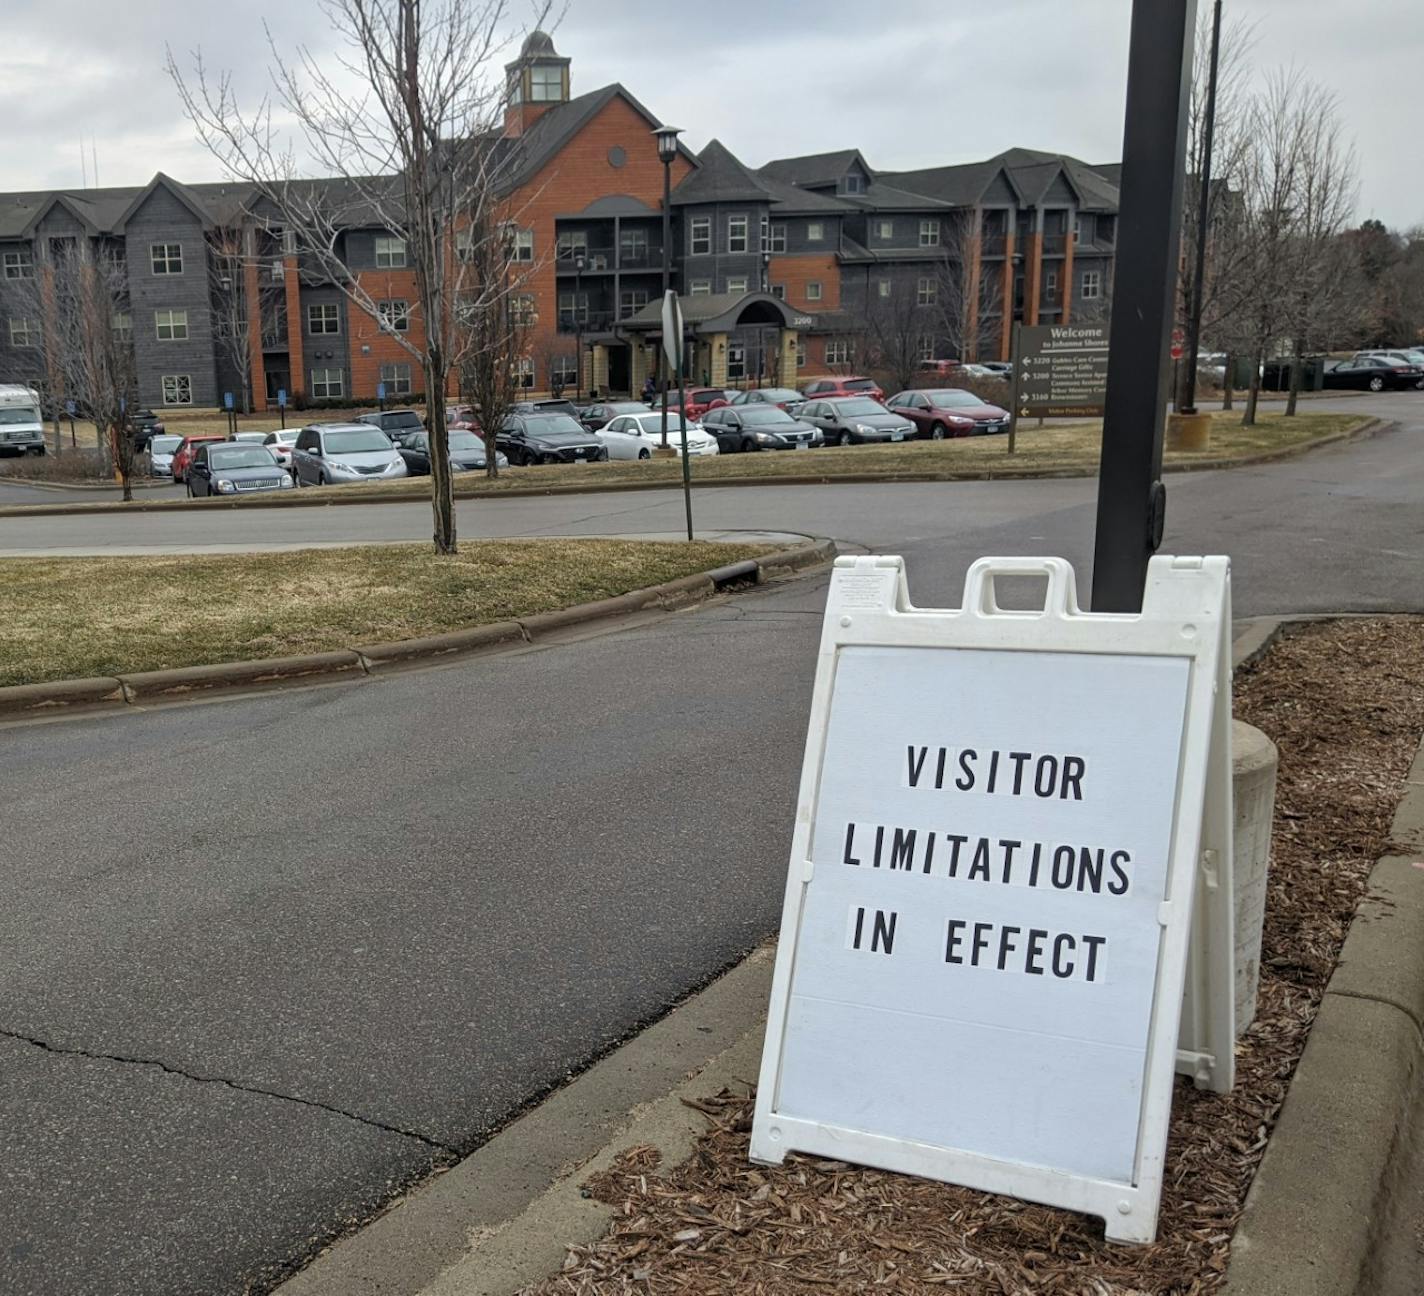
x: 781, y: 266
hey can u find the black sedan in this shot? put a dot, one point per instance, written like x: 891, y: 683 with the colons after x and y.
x: 1372, y: 373
x: 467, y: 452
x: 856, y: 420
x: 146, y: 426
x: 226, y: 468
x: 548, y: 439
x: 739, y: 428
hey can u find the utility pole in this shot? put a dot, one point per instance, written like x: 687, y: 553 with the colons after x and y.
x: 1194, y: 318
x: 1131, y: 498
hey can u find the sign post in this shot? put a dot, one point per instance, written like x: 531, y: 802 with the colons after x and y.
x: 381, y: 396
x: 282, y: 404
x: 672, y: 327
x: 70, y: 409
x: 987, y: 947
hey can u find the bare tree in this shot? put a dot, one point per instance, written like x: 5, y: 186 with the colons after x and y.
x: 80, y: 291
x: 411, y: 150
x: 230, y: 253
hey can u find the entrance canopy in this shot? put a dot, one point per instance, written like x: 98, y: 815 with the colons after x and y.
x: 712, y: 313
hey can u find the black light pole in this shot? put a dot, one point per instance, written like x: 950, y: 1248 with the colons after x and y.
x: 579, y: 262
x: 667, y: 150
x: 1131, y: 498
x: 1189, y: 404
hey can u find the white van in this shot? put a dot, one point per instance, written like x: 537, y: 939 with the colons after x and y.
x: 21, y: 425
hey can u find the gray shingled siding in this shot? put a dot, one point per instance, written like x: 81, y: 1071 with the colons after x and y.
x: 18, y: 300
x: 722, y: 265
x: 796, y: 237
x: 325, y: 350
x: 163, y: 219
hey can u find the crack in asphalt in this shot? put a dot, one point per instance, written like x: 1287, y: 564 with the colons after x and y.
x: 61, y: 1051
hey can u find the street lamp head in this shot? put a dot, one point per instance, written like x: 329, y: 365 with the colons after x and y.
x: 667, y: 142
x: 580, y: 263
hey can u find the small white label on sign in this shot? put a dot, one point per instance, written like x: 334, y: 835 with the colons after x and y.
x: 866, y: 589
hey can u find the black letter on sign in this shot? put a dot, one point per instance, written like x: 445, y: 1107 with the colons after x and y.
x: 882, y: 931
x: 916, y: 765
x: 902, y: 849
x: 850, y: 841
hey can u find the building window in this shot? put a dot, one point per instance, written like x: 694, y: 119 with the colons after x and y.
x: 779, y: 291
x: 177, y: 389
x: 776, y: 239
x: 800, y: 353
x: 815, y: 231
x: 926, y: 347
x: 882, y: 287
x: 524, y: 372
x: 324, y: 319
x: 765, y: 233
x: 24, y: 333
x: 1077, y: 228
x: 837, y: 351
x: 563, y: 372
x: 736, y: 233
x: 172, y: 325
x: 633, y: 246
x: 523, y: 246
x: 394, y: 316
x: 926, y: 292
x: 737, y: 284
x: 1050, y: 283
x: 397, y: 379
x: 390, y: 253
x: 700, y: 288
x: 122, y: 324
x: 326, y: 383
x: 546, y: 83
x: 1107, y: 229
x: 1092, y: 285
x: 521, y: 310
x: 736, y: 360
x: 571, y: 244
x: 19, y: 264
x: 885, y: 229
x: 166, y: 258
x: 632, y: 300
x: 854, y: 184
x: 813, y: 290
x: 701, y: 240
x: 929, y: 233
x: 573, y: 308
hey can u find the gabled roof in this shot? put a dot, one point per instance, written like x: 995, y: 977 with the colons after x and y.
x: 181, y: 192
x: 879, y: 196
x: 814, y: 168
x: 1035, y: 180
x: 788, y: 200
x: 720, y: 177
x: 963, y: 185
x: 64, y: 201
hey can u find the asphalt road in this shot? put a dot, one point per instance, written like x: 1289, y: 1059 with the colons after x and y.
x: 263, y: 960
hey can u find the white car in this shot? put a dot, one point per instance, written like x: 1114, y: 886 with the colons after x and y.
x: 330, y: 454
x: 280, y: 444
x: 636, y: 436
x: 161, y: 450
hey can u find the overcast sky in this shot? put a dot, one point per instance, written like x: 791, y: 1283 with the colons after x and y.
x: 912, y: 83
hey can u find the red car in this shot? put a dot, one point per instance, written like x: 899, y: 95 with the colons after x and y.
x: 462, y: 417
x: 183, y: 456
x: 948, y: 412
x: 699, y: 400
x: 830, y: 388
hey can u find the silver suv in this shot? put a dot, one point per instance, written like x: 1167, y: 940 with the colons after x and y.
x: 328, y: 454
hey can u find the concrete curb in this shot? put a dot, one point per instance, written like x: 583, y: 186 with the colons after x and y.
x: 342, y: 496
x: 1323, y: 1187
x: 27, y: 700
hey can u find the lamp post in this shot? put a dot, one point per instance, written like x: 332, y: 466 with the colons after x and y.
x: 580, y: 262
x: 1189, y: 403
x: 667, y: 150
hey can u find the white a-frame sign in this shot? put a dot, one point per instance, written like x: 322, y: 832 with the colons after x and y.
x: 993, y: 930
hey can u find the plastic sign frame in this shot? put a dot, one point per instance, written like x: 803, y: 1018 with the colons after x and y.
x: 1186, y: 616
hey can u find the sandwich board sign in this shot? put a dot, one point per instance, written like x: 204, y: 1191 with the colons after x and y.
x: 994, y: 950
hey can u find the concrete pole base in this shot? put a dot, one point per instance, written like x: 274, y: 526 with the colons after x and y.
x: 1253, y: 790
x: 1188, y: 431
x: 664, y: 452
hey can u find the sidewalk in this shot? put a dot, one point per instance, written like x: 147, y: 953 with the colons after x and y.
x: 611, y: 1149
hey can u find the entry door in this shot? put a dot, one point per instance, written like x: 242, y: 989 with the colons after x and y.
x: 277, y: 380
x: 618, y: 370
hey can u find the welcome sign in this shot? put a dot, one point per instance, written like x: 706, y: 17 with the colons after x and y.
x: 985, y: 934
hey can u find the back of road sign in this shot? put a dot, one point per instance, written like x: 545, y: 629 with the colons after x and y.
x: 986, y: 929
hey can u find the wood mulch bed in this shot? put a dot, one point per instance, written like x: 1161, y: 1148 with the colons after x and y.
x: 1344, y: 702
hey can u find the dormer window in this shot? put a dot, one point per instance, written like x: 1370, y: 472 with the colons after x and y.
x: 546, y: 83
x: 854, y: 184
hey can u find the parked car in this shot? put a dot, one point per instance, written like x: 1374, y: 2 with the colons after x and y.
x: 393, y: 423
x: 601, y: 413
x: 739, y: 428
x: 856, y: 420
x: 464, y: 417
x: 555, y: 405
x: 826, y: 388
x: 160, y: 453
x: 940, y: 366
x: 183, y: 456
x: 539, y: 438
x: 229, y: 468
x: 1404, y: 356
x: 332, y: 453
x: 146, y: 425
x: 948, y: 412
x: 280, y: 444
x: 1003, y: 368
x: 467, y: 452
x: 782, y: 397
x: 701, y: 399
x: 636, y: 436
x: 1372, y: 373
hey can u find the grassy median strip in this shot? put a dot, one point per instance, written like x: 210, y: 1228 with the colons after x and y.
x: 69, y: 618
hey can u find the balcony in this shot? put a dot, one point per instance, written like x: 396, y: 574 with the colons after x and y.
x: 1055, y: 245
x: 605, y: 259
x: 585, y: 321
x: 994, y: 245
x: 274, y: 337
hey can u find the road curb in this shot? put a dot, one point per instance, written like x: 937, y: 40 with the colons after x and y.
x: 1309, y: 1227
x: 334, y: 497
x: 133, y: 689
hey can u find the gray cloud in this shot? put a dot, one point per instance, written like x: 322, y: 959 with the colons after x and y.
x: 909, y: 82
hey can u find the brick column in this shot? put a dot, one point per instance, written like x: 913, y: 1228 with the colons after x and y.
x: 718, y: 344
x: 1006, y: 339
x: 295, y: 359
x: 1065, y: 287
x: 973, y: 252
x: 1033, y: 270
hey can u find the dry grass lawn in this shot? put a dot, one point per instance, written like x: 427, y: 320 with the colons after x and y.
x: 68, y: 618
